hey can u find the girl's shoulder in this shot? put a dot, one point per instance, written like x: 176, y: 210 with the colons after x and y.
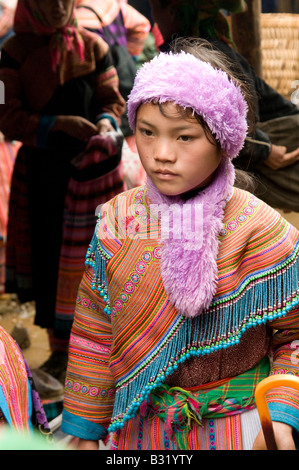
x: 115, y: 214
x: 246, y: 211
x: 123, y: 202
x: 246, y: 203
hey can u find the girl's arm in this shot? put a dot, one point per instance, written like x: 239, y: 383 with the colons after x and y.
x: 89, y: 391
x: 90, y: 387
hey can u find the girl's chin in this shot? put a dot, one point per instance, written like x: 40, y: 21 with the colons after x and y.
x: 183, y: 194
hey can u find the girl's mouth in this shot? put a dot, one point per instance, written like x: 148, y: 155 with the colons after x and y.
x: 165, y: 174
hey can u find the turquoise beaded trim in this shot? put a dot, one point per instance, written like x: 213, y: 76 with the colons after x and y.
x: 97, y: 258
x: 256, y: 277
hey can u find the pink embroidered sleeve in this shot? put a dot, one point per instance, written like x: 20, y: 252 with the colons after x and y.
x: 89, y: 391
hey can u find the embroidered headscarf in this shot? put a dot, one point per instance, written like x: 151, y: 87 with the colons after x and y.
x: 28, y: 19
x: 189, y: 266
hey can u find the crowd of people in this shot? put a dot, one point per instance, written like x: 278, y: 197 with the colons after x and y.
x: 143, y: 223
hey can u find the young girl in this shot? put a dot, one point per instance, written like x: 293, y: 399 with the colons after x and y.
x: 61, y: 89
x: 186, y: 280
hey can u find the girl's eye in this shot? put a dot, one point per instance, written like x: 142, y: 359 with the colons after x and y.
x: 146, y: 132
x: 185, y: 138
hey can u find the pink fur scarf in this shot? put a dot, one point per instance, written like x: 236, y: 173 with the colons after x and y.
x: 189, y: 257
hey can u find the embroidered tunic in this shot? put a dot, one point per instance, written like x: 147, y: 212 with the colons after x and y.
x: 127, y: 339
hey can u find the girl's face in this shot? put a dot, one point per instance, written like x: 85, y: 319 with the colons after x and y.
x: 174, y: 151
x: 56, y: 13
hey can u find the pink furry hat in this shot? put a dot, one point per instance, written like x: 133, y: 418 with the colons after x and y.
x: 190, y: 82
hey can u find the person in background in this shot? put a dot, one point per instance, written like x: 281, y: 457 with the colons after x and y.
x: 136, y: 25
x: 61, y: 89
x: 125, y: 30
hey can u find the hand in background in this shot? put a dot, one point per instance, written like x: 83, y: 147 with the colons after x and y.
x: 280, y: 158
x: 104, y: 125
x: 75, y: 126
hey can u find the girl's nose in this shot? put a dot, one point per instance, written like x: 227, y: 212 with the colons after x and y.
x: 164, y: 151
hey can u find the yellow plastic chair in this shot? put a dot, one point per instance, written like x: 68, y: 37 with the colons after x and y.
x: 282, y: 380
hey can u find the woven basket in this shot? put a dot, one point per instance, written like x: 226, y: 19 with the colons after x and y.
x: 280, y: 51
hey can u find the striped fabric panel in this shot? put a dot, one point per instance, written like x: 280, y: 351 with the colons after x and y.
x: 179, y: 407
x: 89, y: 388
x: 107, y: 92
x: 283, y: 403
x: 2, y: 419
x: 215, y: 434
x: 266, y: 246
x: 82, y: 201
x: 8, y: 152
x: 133, y: 337
x: 14, y: 381
x: 285, y: 395
x: 18, y: 251
x: 286, y: 357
